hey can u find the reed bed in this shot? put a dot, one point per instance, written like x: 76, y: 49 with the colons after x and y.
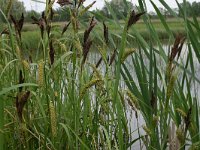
x: 61, y: 96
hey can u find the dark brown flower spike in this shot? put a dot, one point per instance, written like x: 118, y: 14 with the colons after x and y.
x: 64, y: 2
x: 40, y: 22
x: 51, y: 52
x: 175, y: 52
x: 113, y: 57
x: 87, y: 32
x: 66, y: 27
x: 86, y: 41
x: 134, y: 18
x: 21, y: 100
x: 86, y: 48
x: 177, y: 47
x: 105, y: 33
x: 18, y: 24
x: 21, y: 80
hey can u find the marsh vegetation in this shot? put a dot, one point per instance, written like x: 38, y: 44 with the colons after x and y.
x: 101, y: 83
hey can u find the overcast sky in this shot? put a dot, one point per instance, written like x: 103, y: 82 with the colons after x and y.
x: 29, y: 4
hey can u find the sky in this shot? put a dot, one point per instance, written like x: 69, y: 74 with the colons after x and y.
x: 29, y: 4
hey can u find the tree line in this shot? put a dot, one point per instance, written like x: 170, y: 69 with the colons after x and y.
x: 16, y: 8
x: 62, y: 13
x: 120, y: 9
x: 192, y: 9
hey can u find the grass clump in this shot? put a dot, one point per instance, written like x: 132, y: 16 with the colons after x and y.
x: 74, y: 91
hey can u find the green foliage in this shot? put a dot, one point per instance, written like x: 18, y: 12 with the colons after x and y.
x: 62, y: 14
x: 120, y: 8
x: 196, y: 8
x: 13, y: 7
x: 29, y: 14
x: 63, y: 95
x: 190, y: 8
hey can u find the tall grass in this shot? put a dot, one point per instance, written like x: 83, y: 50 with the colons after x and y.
x: 61, y: 97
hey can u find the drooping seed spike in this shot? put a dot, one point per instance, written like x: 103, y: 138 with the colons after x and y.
x: 134, y: 99
x: 127, y: 53
x: 181, y: 112
x: 87, y: 86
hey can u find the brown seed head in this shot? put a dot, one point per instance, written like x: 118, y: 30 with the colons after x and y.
x: 86, y: 48
x: 42, y: 23
x: 91, y: 26
x: 18, y: 24
x: 21, y: 100
x: 64, y: 2
x: 177, y: 47
x: 134, y: 18
x: 51, y: 52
